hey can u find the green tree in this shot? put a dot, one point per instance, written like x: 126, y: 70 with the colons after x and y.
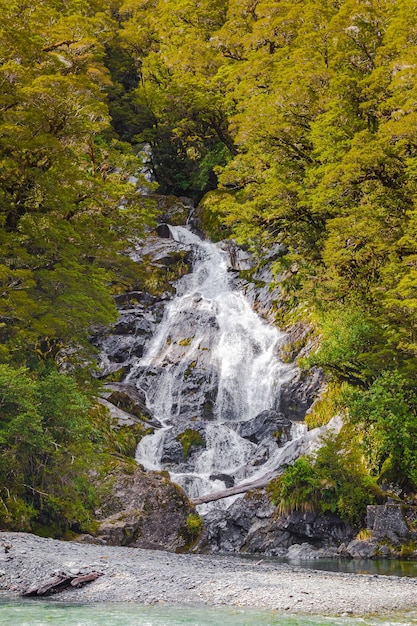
x: 386, y: 419
x: 45, y: 453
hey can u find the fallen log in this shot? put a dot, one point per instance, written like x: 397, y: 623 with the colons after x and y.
x: 86, y: 578
x: 60, y: 581
x: 237, y: 489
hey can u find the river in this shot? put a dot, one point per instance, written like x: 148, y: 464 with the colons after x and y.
x: 45, y: 613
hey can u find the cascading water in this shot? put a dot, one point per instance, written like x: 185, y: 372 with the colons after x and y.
x: 211, y: 367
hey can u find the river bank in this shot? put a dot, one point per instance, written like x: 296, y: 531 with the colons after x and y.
x: 150, y: 577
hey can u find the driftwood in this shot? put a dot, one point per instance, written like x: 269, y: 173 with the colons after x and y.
x: 60, y: 581
x: 237, y: 489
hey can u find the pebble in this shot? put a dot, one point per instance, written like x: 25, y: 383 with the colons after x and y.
x: 150, y: 577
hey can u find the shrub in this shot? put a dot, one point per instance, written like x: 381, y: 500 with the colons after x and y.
x: 334, y: 480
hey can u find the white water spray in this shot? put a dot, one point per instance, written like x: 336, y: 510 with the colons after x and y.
x: 210, y: 338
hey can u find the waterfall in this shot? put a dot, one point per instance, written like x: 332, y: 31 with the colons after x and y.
x: 211, y: 367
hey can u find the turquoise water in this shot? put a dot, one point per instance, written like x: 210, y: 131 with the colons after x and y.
x: 380, y: 567
x: 46, y: 613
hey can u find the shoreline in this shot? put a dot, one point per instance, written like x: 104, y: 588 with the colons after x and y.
x: 152, y: 577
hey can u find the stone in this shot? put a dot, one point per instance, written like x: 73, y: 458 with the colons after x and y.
x: 251, y: 525
x: 225, y: 478
x: 388, y: 522
x: 141, y: 510
x: 266, y: 424
x: 173, y: 210
x: 163, y: 231
x: 362, y: 548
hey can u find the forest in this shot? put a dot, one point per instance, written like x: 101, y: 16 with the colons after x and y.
x: 286, y: 121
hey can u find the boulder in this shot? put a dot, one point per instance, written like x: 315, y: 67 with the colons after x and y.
x: 142, y: 510
x: 173, y: 209
x: 388, y: 521
x: 266, y: 424
x: 362, y: 549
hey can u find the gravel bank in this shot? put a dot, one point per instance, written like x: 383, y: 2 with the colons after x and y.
x: 145, y: 576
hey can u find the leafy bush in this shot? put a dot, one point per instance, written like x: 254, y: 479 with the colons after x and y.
x: 385, y: 417
x: 45, y: 451
x: 192, y: 528
x: 353, y: 347
x: 334, y: 480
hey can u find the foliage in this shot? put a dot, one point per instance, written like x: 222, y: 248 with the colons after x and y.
x: 192, y: 528
x: 64, y: 177
x: 293, y: 121
x: 326, y: 406
x: 45, y: 454
x: 334, y: 480
x: 385, y: 416
x: 353, y: 347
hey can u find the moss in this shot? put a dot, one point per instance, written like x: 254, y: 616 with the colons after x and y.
x: 185, y: 342
x: 189, y: 370
x: 208, y: 408
x: 50, y: 531
x: 191, y: 530
x: 277, y: 434
x: 159, y: 279
x: 364, y: 534
x: 126, y: 438
x: 118, y: 375
x: 326, y: 407
x: 122, y: 401
x: 114, y: 439
x: 188, y: 439
x: 408, y: 550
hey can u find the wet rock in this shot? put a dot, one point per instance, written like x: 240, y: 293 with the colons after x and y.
x: 239, y: 259
x: 126, y: 397
x: 225, y: 478
x: 322, y: 529
x: 299, y: 341
x: 266, y: 424
x: 126, y: 300
x: 259, y: 293
x: 307, y: 552
x: 163, y: 231
x: 181, y: 444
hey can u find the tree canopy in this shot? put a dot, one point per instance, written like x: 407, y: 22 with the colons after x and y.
x: 289, y: 122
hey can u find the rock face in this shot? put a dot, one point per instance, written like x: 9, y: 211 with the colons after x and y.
x: 299, y: 393
x: 251, y: 525
x: 142, y: 510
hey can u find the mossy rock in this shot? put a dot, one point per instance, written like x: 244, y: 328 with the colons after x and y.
x: 188, y: 439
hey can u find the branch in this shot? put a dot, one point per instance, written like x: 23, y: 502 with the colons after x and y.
x: 54, y: 46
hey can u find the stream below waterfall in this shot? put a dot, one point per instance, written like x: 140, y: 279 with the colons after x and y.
x: 41, y: 613
x: 211, y: 376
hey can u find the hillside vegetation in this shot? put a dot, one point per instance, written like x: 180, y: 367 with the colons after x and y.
x: 288, y: 121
